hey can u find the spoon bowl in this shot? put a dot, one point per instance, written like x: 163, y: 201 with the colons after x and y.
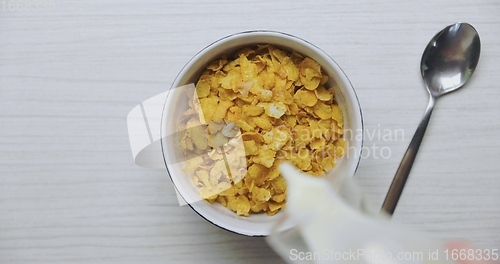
x: 447, y: 64
x: 450, y: 58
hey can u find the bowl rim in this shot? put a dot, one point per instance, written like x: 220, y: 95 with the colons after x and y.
x: 216, y: 42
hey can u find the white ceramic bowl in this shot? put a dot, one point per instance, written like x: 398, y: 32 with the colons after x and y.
x: 256, y: 224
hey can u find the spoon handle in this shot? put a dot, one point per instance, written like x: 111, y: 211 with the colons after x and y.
x: 398, y: 183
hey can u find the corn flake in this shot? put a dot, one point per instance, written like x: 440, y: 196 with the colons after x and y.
x: 275, y: 110
x: 305, y: 97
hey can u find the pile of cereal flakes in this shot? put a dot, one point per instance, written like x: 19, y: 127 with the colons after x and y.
x: 249, y: 114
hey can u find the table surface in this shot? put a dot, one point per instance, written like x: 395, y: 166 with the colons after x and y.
x: 71, y: 193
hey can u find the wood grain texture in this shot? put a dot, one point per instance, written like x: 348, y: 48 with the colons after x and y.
x: 70, y: 192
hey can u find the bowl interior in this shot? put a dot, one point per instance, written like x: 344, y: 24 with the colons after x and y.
x: 256, y: 224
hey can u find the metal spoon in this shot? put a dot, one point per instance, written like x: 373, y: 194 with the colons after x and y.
x: 447, y: 64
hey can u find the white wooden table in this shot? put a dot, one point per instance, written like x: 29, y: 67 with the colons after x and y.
x: 71, y: 193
